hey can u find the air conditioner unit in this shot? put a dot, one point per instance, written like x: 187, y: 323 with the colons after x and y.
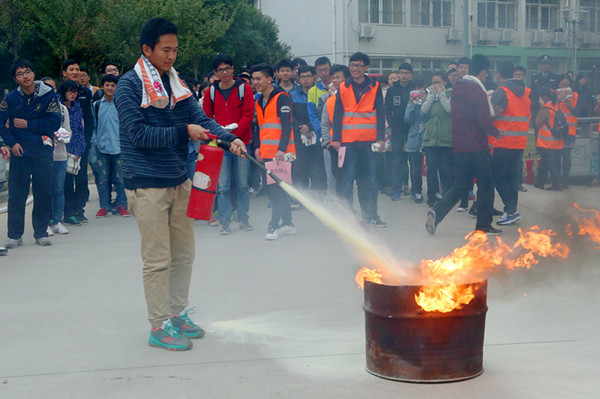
x: 483, y: 35
x: 538, y: 37
x: 590, y: 39
x: 366, y: 32
x: 559, y: 38
x: 506, y: 36
x: 453, y: 35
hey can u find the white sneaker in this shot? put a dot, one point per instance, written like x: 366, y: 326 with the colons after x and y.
x: 59, y: 228
x: 272, y: 234
x: 49, y: 232
x: 287, y: 230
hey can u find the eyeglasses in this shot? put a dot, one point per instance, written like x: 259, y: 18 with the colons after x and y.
x: 322, y: 70
x: 112, y: 70
x: 306, y: 77
x: 23, y: 73
x: 224, y: 69
x: 356, y: 65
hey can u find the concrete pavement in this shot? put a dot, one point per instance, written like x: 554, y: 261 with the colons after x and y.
x: 284, y: 319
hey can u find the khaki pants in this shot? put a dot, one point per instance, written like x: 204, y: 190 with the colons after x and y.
x: 167, y: 247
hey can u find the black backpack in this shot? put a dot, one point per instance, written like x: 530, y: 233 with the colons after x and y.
x: 561, y: 128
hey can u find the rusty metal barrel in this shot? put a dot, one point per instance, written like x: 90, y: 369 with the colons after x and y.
x: 406, y: 343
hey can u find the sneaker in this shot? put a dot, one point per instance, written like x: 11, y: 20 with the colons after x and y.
x: 123, y: 212
x: 473, y: 211
x: 555, y: 188
x: 540, y: 186
x: 13, y: 243
x: 286, y: 230
x: 80, y: 218
x: 377, y: 222
x: 492, y: 231
x: 59, y: 228
x: 418, y: 198
x: 72, y: 220
x: 3, y: 251
x: 213, y: 221
x: 272, y: 234
x: 167, y: 337
x: 43, y: 242
x: 101, y: 213
x: 522, y: 188
x: 430, y: 225
x: 225, y: 230
x: 396, y: 195
x: 245, y: 226
x: 49, y: 232
x: 462, y: 209
x: 508, y: 219
x: 185, y: 326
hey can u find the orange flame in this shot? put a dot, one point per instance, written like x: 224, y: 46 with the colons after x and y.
x: 588, y: 226
x: 367, y: 274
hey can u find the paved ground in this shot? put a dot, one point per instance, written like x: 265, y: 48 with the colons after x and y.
x: 284, y: 318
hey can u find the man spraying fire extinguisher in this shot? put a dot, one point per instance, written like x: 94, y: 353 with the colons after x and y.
x: 158, y: 116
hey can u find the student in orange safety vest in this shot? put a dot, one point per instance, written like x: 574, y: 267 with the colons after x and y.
x: 547, y: 145
x: 512, y: 97
x: 569, y: 106
x: 276, y: 138
x: 358, y: 122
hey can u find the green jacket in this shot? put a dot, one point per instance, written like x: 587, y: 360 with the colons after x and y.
x: 438, y: 131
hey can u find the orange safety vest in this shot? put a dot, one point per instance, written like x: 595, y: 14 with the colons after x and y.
x: 514, y: 121
x: 270, y: 129
x: 329, y: 108
x: 545, y: 138
x: 360, y: 120
x: 571, y: 119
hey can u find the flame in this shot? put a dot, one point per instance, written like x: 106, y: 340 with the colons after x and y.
x: 587, y: 226
x: 368, y: 274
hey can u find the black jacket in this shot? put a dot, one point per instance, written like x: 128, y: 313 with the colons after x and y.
x: 396, y: 100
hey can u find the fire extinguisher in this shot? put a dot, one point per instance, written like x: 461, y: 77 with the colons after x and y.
x: 205, y: 181
x: 529, y: 171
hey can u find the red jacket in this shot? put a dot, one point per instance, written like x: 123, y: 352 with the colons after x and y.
x: 234, y: 110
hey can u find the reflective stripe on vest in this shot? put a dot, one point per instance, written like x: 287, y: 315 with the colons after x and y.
x: 359, y: 122
x: 514, y: 121
x: 545, y: 138
x: 571, y: 119
x: 270, y: 129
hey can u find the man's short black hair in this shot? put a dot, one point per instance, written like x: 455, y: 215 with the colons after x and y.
x: 221, y: 58
x: 106, y: 64
x: 506, y: 69
x: 463, y: 61
x: 306, y: 68
x: 69, y: 85
x: 479, y: 63
x: 266, y: 69
x: 297, y: 62
x: 442, y: 75
x: 358, y: 56
x: 337, y: 67
x: 284, y: 63
x: 322, y: 61
x: 154, y: 29
x: 109, y: 77
x: 405, y: 66
x: 84, y: 69
x: 522, y: 69
x: 20, y: 63
x: 67, y: 63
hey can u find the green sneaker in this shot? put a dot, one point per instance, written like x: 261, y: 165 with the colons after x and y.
x: 185, y: 326
x: 167, y: 337
x: 79, y: 216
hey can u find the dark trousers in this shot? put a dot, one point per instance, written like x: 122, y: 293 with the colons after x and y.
x: 38, y: 172
x: 308, y: 170
x: 359, y: 164
x: 440, y: 168
x: 76, y: 189
x: 281, y: 211
x: 549, y: 162
x: 507, y: 176
x: 399, y: 162
x: 468, y: 165
x: 415, y: 159
x: 565, y: 156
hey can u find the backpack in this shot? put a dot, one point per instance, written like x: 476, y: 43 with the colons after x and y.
x: 560, y: 129
x: 241, y: 90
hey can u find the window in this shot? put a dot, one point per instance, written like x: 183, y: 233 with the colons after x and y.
x: 497, y: 14
x: 542, y: 14
x: 381, y: 11
x: 432, y: 12
x: 591, y: 20
x: 384, y: 66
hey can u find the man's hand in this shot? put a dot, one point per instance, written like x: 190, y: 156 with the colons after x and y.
x: 197, y: 132
x: 304, y: 129
x: 257, y: 155
x: 20, y: 123
x: 17, y: 150
x: 237, y: 147
x: 5, y: 152
x: 279, y: 155
x: 498, y: 110
x: 336, y: 145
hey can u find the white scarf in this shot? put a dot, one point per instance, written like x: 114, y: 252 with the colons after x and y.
x: 154, y: 93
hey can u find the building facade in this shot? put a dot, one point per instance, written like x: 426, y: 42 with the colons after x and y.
x: 431, y: 33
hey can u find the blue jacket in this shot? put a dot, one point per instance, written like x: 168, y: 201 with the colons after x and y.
x: 42, y: 112
x: 154, y: 141
x: 304, y: 113
x: 417, y: 121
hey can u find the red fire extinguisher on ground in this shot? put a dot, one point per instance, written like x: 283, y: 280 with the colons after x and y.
x: 205, y: 181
